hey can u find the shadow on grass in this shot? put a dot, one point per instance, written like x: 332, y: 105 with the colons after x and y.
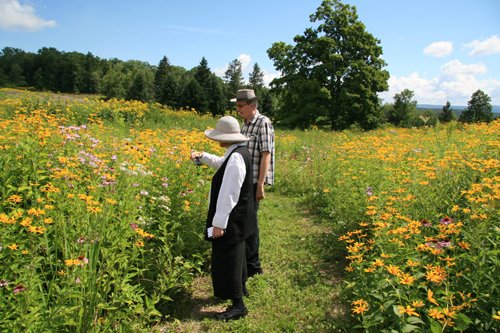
x: 190, y: 306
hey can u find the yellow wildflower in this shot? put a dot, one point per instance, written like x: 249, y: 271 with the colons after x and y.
x: 13, y: 247
x: 408, y: 310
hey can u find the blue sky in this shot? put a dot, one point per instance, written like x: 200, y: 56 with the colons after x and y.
x: 441, y: 49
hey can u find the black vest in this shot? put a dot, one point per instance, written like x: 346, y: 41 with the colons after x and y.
x: 242, y: 219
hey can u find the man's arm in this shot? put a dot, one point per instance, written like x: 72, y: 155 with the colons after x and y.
x: 264, y: 166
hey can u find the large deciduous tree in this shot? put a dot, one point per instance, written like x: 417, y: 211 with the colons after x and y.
x: 478, y: 109
x: 333, y: 70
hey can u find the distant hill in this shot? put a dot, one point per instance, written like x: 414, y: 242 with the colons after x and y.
x: 457, y: 109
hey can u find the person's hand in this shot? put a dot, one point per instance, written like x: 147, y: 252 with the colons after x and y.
x: 196, y: 154
x: 260, y: 193
x: 217, y: 232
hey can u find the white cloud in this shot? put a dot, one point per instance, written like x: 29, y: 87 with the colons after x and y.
x: 269, y: 76
x: 439, y: 49
x: 484, y: 47
x: 245, y: 60
x: 17, y: 16
x: 456, y: 83
x: 456, y: 68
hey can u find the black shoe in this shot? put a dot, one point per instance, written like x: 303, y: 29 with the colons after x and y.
x: 232, y: 313
x: 256, y: 272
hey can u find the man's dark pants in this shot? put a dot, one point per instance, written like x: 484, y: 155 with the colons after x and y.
x: 252, y: 246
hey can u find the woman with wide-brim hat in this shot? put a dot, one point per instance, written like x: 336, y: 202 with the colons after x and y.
x: 231, y: 214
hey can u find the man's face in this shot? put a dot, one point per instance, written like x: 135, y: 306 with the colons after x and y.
x: 245, y: 110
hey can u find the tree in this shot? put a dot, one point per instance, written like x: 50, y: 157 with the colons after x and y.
x: 49, y: 60
x: 403, y: 108
x: 93, y: 71
x: 234, y: 77
x: 256, y: 78
x: 160, y: 75
x: 16, y: 76
x: 113, y: 82
x: 203, y: 76
x: 446, y: 114
x: 142, y: 88
x: 202, y: 73
x: 193, y: 96
x: 478, y: 109
x: 341, y: 62
x: 140, y: 80
x: 217, y: 101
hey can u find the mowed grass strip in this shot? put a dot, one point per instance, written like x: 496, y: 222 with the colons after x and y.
x: 298, y: 290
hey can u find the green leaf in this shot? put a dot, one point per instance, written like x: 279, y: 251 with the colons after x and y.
x: 377, y: 296
x: 462, y: 322
x: 415, y: 320
x: 396, y: 310
x: 435, y: 326
x: 410, y: 328
x: 388, y: 304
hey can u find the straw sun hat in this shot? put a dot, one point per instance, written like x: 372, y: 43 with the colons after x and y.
x: 227, y: 129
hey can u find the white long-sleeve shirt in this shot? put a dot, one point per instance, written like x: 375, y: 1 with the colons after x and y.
x: 233, y: 178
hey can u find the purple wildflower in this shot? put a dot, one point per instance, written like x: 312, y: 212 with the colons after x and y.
x: 369, y: 191
x: 446, y: 220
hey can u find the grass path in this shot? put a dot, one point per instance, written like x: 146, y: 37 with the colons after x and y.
x: 298, y: 290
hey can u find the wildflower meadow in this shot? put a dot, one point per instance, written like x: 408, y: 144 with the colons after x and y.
x: 101, y: 216
x: 416, y: 218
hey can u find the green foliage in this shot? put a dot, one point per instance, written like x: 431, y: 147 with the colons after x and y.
x: 212, y: 87
x: 100, y: 222
x: 479, y: 109
x: 415, y: 210
x: 256, y: 78
x: 404, y: 106
x: 233, y: 78
x: 446, y: 115
x: 338, y: 57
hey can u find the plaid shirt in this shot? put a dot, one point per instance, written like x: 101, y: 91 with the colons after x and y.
x: 261, y: 133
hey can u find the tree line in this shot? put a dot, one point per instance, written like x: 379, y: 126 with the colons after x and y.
x: 72, y: 72
x: 330, y: 78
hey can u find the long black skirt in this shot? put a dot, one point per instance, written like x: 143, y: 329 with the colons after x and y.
x: 229, y: 271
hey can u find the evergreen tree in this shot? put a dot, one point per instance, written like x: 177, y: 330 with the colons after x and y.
x: 160, y: 77
x: 256, y: 78
x: 193, y: 96
x: 167, y: 84
x: 202, y: 73
x: 446, y: 114
x: 217, y: 102
x: 234, y: 77
x: 478, y: 109
x: 203, y: 76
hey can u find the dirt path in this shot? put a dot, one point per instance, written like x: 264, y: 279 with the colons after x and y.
x: 298, y: 290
